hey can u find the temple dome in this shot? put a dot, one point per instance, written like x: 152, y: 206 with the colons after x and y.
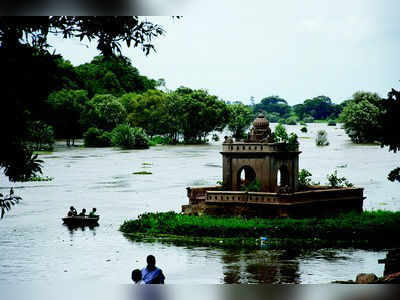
x: 260, y: 122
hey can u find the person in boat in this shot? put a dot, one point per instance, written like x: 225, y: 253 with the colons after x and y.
x: 93, y: 214
x: 151, y: 274
x: 137, y: 276
x: 72, y: 212
x: 83, y: 212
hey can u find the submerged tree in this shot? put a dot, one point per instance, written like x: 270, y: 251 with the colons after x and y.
x: 240, y: 117
x: 361, y: 117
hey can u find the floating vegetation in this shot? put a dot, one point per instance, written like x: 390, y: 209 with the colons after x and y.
x: 40, y: 178
x: 142, y: 173
x: 342, y: 166
x: 147, y: 164
x: 43, y: 152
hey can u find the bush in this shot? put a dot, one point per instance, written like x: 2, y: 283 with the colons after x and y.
x: 253, y: 186
x: 303, y: 129
x: 304, y: 179
x: 215, y: 137
x: 273, y: 117
x: 336, y: 181
x: 331, y: 123
x: 128, y: 137
x: 302, y: 123
x: 160, y: 140
x: 322, y: 138
x: 95, y: 137
x: 280, y: 134
x: 308, y: 119
x: 291, y: 121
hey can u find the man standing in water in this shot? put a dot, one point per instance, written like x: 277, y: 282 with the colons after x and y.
x: 151, y: 274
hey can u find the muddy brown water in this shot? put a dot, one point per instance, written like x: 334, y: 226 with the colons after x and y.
x: 36, y: 247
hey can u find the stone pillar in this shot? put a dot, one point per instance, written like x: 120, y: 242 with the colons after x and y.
x: 227, y: 172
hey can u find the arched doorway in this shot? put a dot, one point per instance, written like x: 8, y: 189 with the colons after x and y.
x: 282, y: 177
x: 245, y: 176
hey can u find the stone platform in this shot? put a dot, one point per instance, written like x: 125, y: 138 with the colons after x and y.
x: 315, y: 202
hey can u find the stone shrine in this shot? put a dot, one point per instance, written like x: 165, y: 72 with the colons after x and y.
x: 272, y: 170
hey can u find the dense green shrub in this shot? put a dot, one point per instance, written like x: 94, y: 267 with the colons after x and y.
x: 303, y: 129
x: 253, y: 186
x: 291, y: 121
x: 361, y: 117
x: 304, y: 179
x: 331, y: 123
x: 308, y: 119
x: 351, y: 227
x: 160, y: 140
x: 128, y: 137
x: 336, y: 181
x: 322, y: 138
x: 95, y: 137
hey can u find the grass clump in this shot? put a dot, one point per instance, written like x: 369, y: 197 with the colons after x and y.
x: 372, y: 228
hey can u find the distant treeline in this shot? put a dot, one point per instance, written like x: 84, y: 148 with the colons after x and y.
x: 92, y: 99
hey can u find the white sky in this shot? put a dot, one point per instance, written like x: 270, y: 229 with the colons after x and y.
x: 294, y: 49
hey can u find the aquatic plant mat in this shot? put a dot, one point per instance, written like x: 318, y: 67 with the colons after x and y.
x: 369, y: 230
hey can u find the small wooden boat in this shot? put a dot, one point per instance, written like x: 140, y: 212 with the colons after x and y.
x: 81, y: 221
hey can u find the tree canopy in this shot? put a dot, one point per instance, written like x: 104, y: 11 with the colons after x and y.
x: 33, y: 72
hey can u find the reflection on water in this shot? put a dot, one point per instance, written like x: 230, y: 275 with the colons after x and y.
x: 35, y: 246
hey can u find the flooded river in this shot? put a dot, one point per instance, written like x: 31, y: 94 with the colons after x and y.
x: 36, y: 247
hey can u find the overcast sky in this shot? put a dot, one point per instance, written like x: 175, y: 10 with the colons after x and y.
x: 294, y: 49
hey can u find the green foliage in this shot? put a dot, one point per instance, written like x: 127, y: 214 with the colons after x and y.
x: 7, y: 201
x: 308, y: 119
x: 319, y: 108
x: 351, y: 227
x: 142, y: 173
x: 304, y: 179
x: 331, y: 123
x: 291, y: 120
x: 95, y: 137
x: 273, y: 104
x: 280, y: 134
x: 215, y: 137
x: 33, y: 72
x: 160, y: 140
x: 199, y: 114
x: 336, y: 181
x: 361, y: 117
x: 394, y: 175
x: 322, y: 138
x: 24, y: 166
x: 240, y: 118
x: 128, y: 137
x: 104, y: 112
x: 148, y: 110
x: 40, y: 178
x: 273, y: 117
x: 303, y: 129
x: 389, y: 135
x: 112, y: 75
x: 253, y: 186
x: 40, y: 136
x: 65, y: 112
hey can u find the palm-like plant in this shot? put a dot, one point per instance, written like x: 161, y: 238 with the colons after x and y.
x: 7, y: 201
x: 23, y: 166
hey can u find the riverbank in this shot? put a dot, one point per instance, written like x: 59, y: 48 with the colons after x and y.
x: 375, y: 229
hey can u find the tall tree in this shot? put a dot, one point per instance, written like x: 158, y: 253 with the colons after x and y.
x: 240, y: 117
